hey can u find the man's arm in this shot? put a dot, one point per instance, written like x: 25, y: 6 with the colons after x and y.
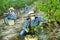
x: 43, y: 20
x: 25, y: 25
x: 40, y: 19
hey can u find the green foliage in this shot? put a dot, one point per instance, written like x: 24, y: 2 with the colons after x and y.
x: 39, y: 29
x: 5, y: 4
x: 51, y: 6
x: 41, y: 6
x: 57, y: 15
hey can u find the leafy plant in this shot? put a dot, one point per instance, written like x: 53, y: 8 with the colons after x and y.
x: 17, y: 4
x: 50, y: 8
x: 52, y: 11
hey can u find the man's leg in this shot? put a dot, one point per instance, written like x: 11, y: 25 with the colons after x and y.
x: 23, y: 33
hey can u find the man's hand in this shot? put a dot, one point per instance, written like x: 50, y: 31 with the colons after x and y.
x: 41, y: 23
x: 27, y: 30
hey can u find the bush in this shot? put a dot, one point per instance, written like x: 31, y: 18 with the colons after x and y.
x: 5, y: 4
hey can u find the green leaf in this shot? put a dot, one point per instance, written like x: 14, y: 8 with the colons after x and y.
x: 57, y: 15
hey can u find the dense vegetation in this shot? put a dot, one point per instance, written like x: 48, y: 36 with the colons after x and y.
x: 5, y: 4
x: 51, y: 8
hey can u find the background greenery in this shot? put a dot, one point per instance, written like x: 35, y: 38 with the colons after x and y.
x: 50, y: 7
x: 6, y: 4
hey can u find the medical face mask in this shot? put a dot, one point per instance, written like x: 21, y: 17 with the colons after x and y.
x: 32, y: 18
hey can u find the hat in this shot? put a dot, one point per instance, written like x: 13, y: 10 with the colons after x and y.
x: 31, y: 13
x: 11, y: 8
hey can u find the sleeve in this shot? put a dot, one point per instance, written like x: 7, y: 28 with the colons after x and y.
x: 25, y: 25
x: 14, y: 16
x: 43, y: 19
x: 40, y: 19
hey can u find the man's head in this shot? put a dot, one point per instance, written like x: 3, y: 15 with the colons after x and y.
x: 11, y: 9
x: 31, y: 15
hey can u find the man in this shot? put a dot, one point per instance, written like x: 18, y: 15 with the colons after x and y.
x: 26, y: 8
x: 11, y: 14
x: 31, y: 21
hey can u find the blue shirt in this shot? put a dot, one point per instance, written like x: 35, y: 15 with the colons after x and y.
x: 11, y: 15
x: 26, y: 8
x: 35, y: 23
